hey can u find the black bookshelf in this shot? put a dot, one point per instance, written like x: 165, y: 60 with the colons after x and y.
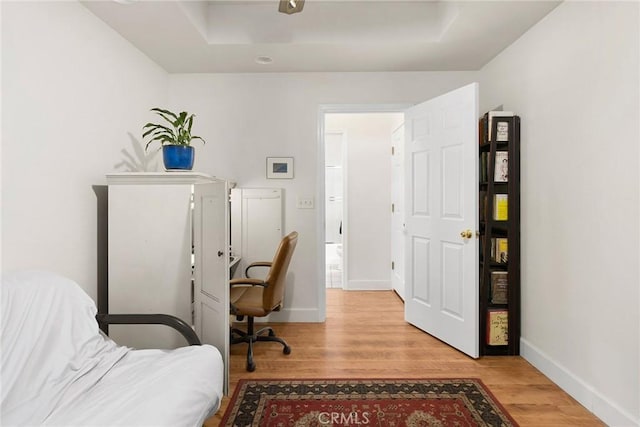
x: 491, y: 228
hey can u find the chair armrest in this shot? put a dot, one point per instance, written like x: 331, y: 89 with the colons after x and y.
x: 151, y: 319
x: 256, y: 264
x: 246, y: 282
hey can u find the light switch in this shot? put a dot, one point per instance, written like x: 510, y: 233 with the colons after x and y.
x: 305, y: 203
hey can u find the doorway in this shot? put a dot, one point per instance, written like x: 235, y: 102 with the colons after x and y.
x: 335, y: 148
x: 355, y: 143
x: 440, y: 182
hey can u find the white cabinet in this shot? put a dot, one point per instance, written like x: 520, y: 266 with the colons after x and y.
x: 168, y: 253
x: 256, y: 225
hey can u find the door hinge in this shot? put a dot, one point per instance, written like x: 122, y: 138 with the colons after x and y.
x: 393, y: 265
x: 393, y: 207
x: 393, y: 150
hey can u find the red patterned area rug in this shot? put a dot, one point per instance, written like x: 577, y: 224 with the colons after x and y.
x: 379, y: 403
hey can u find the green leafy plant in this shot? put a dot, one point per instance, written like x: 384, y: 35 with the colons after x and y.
x: 178, y: 133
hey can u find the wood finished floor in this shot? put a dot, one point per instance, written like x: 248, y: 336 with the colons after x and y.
x: 365, y: 336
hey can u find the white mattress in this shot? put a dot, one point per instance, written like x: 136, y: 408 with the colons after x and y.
x: 58, y: 369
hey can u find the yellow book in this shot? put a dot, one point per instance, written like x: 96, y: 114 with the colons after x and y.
x: 500, y: 207
x: 502, y: 250
x: 497, y: 327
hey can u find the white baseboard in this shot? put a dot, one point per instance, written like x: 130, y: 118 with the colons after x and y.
x: 577, y: 388
x: 368, y: 285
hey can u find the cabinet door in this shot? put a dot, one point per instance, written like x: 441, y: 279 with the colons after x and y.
x: 256, y: 225
x: 211, y: 267
x: 149, y: 260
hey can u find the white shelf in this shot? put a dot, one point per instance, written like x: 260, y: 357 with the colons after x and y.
x: 173, y: 177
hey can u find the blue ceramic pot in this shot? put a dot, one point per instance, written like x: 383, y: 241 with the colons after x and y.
x: 178, y: 157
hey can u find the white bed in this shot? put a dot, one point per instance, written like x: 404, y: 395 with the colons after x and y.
x: 59, y: 369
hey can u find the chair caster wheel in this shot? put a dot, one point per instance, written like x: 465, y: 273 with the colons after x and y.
x: 251, y: 367
x: 286, y: 350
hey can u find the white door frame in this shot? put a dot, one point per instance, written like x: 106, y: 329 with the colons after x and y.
x: 397, y: 212
x: 320, y: 213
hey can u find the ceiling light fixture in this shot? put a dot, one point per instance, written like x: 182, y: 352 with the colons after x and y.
x: 290, y: 6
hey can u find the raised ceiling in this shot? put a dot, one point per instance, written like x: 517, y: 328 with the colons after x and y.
x: 228, y: 36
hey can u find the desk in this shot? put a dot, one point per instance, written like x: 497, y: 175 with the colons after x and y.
x: 234, y: 261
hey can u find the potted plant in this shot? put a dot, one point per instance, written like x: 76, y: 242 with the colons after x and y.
x: 175, y: 138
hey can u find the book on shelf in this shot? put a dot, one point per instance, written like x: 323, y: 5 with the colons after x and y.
x: 502, y: 131
x: 493, y: 116
x: 483, y: 166
x: 497, y: 327
x: 500, y: 250
x: 501, y: 168
x: 482, y: 202
x: 492, y: 249
x: 500, y: 207
x: 499, y: 287
x: 482, y: 131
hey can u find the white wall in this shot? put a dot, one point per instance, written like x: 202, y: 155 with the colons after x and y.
x: 368, y: 167
x: 247, y: 117
x: 573, y: 78
x: 74, y: 95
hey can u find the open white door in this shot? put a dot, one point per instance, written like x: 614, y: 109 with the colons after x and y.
x: 211, y: 290
x: 441, y: 250
x: 397, y: 211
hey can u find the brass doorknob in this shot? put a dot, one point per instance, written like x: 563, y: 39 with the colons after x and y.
x: 466, y: 234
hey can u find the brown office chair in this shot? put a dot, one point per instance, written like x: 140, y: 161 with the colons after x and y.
x: 257, y: 298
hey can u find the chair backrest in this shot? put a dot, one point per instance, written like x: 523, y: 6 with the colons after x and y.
x: 274, y: 292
